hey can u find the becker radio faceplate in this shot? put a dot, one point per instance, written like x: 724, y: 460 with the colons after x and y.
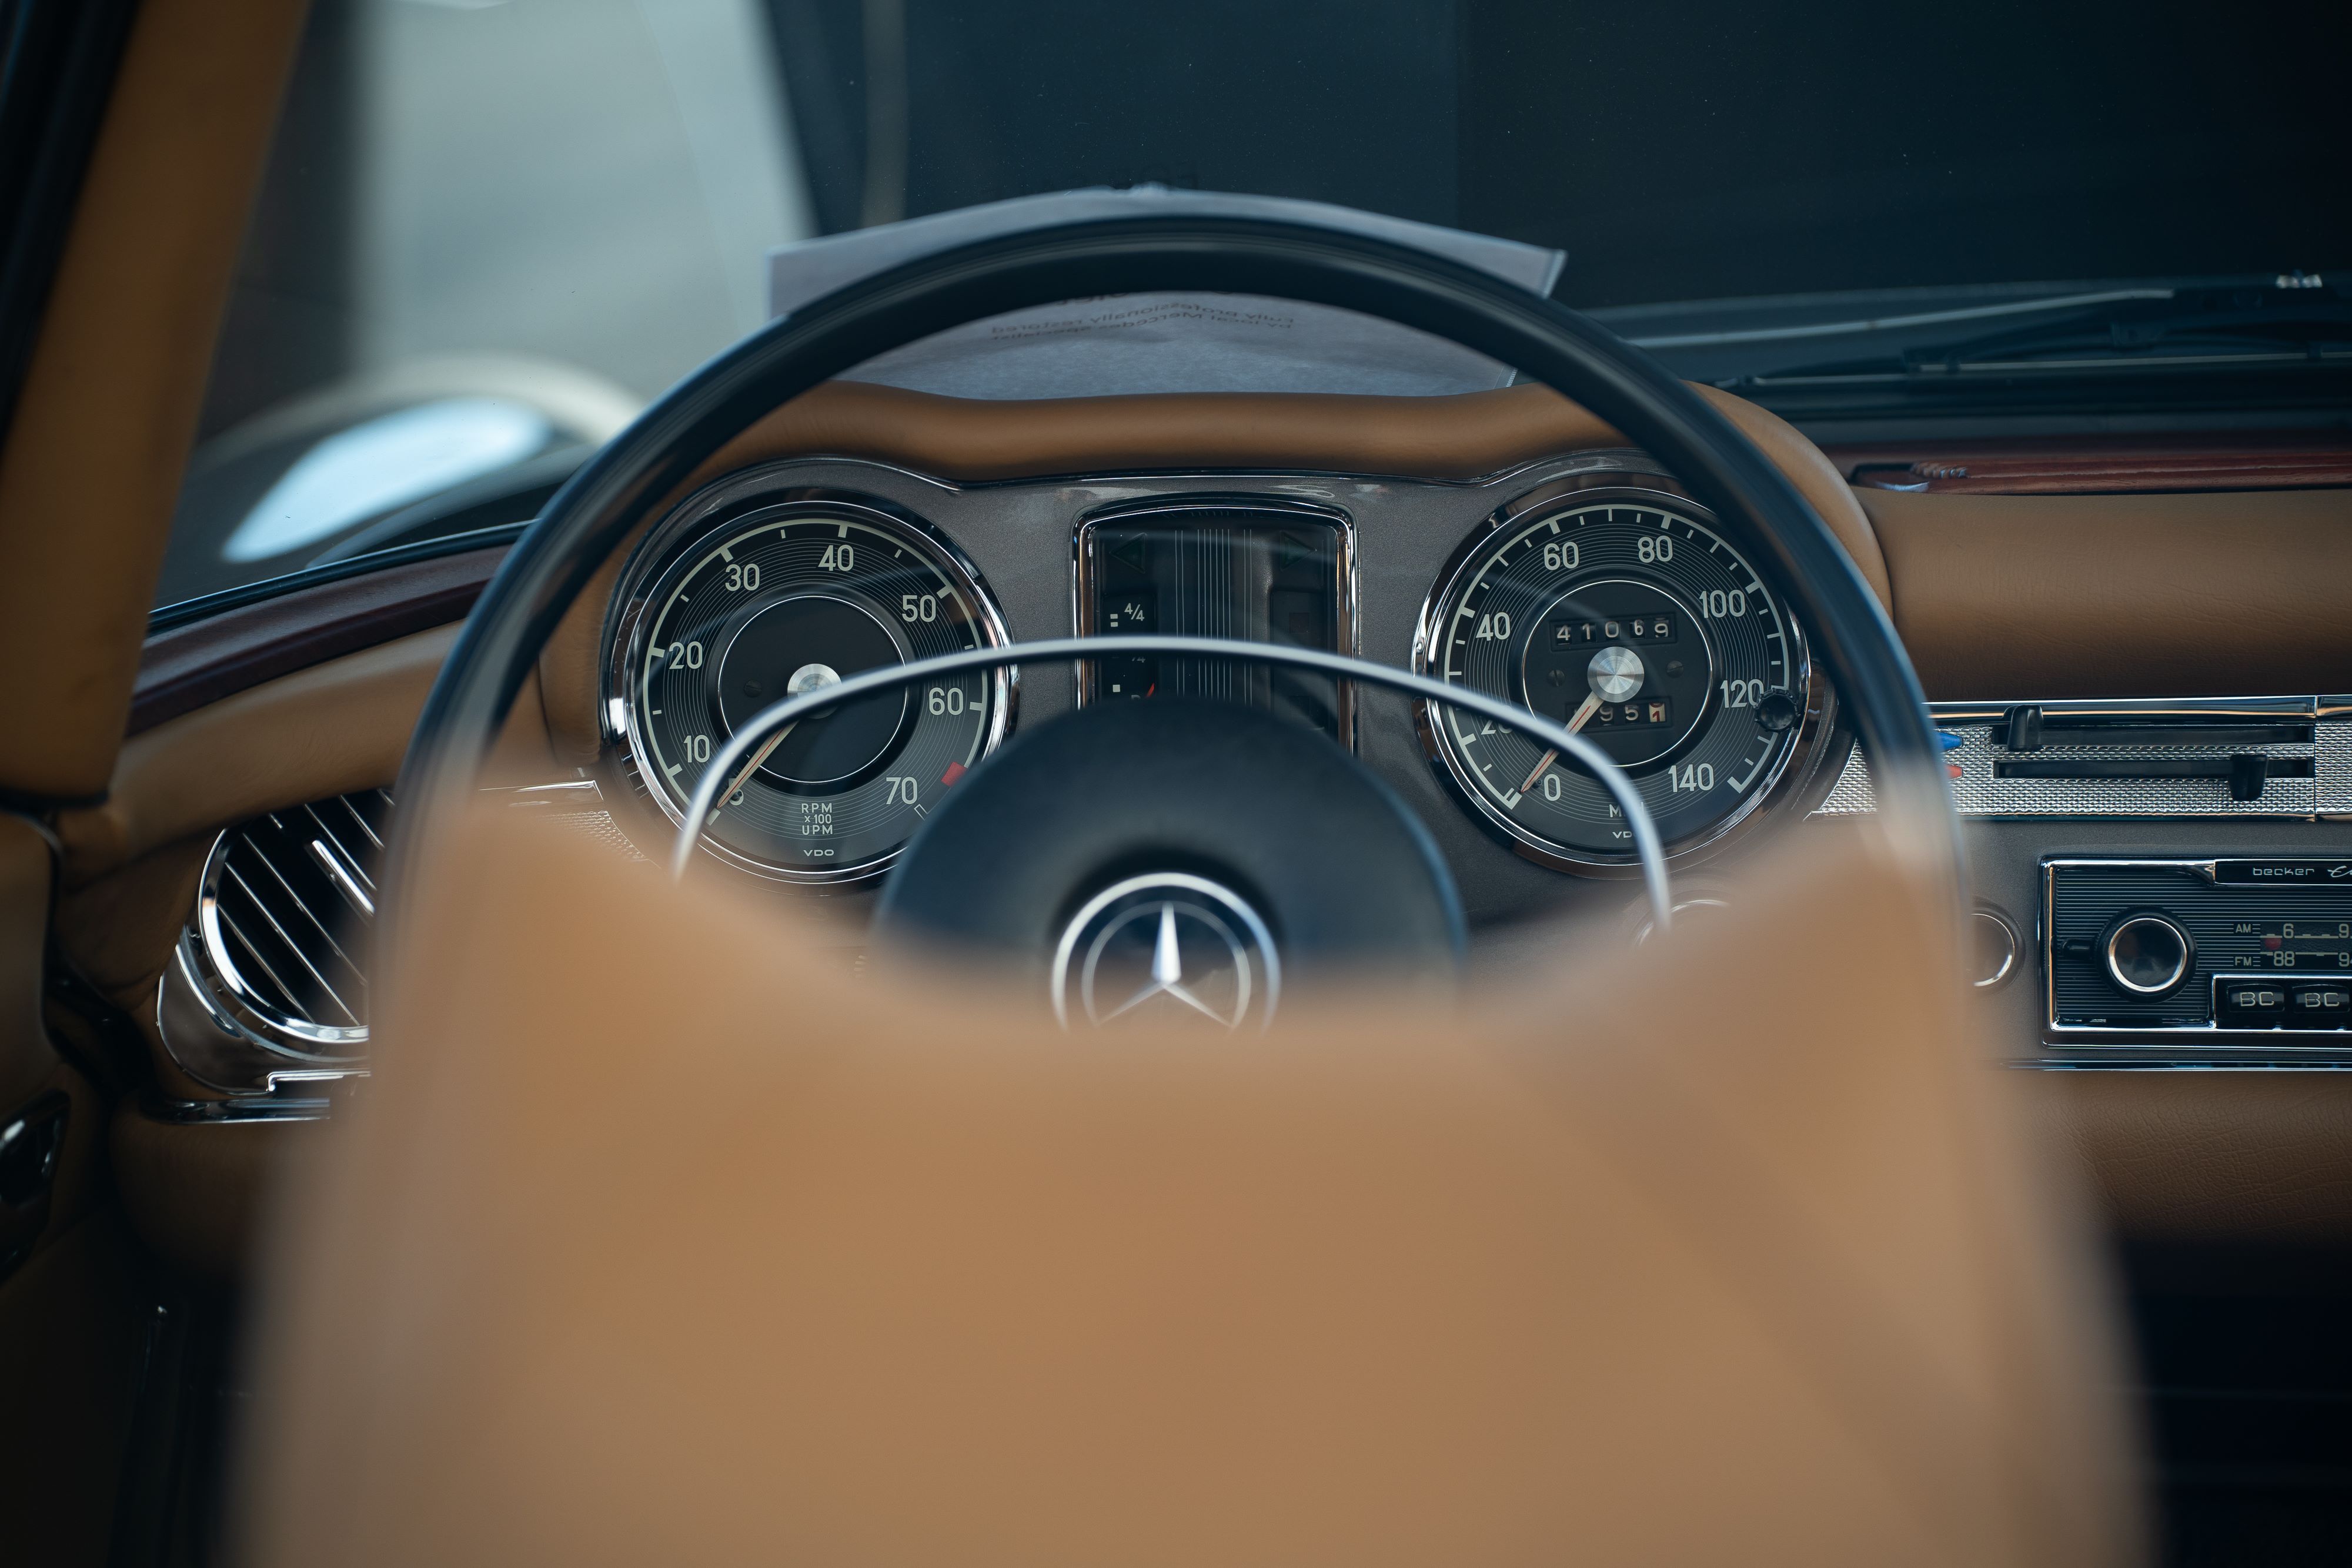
x: 2244, y: 952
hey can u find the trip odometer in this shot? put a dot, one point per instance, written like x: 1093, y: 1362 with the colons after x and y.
x: 1626, y: 615
x: 737, y: 606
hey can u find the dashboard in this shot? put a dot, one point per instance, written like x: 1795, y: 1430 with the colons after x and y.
x: 2133, y: 689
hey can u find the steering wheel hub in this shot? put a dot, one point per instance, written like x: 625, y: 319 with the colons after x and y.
x: 1177, y: 855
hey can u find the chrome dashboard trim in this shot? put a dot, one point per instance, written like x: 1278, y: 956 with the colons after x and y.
x: 2133, y: 707
x: 237, y: 1110
x: 1082, y: 618
x: 1977, y: 792
x: 2071, y: 1065
x: 2008, y: 970
x: 216, y: 1046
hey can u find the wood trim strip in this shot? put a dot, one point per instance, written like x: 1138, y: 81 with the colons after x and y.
x: 184, y: 669
x: 2129, y: 465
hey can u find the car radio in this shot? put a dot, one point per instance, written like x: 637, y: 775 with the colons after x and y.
x: 2258, y: 948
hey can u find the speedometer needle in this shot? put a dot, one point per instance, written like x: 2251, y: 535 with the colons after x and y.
x: 1591, y: 706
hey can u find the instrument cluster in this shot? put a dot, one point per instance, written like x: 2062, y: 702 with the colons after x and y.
x: 1597, y: 594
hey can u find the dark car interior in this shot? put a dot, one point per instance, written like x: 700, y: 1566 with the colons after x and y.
x: 884, y: 781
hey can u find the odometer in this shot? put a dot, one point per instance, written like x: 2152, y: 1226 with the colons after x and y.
x: 744, y: 606
x: 1627, y: 615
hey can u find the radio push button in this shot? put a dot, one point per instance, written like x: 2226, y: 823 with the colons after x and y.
x: 2249, y: 1002
x: 2319, y: 1004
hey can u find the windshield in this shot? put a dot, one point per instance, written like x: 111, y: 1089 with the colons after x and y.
x: 492, y: 229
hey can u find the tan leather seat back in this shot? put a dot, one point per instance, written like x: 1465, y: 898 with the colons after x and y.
x: 662, y: 1239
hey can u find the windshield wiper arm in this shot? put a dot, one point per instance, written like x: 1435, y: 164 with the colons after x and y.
x: 1860, y: 325
x: 2297, y: 319
x: 2215, y: 327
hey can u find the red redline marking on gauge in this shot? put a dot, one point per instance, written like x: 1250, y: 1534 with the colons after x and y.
x: 955, y: 771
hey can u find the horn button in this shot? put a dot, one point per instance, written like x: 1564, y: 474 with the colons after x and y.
x: 1174, y: 860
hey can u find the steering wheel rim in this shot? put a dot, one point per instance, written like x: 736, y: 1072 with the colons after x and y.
x: 549, y: 568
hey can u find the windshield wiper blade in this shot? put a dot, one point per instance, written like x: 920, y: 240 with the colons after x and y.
x: 2215, y: 328
x: 2303, y: 318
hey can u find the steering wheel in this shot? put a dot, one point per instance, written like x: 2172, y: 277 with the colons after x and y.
x: 1329, y: 898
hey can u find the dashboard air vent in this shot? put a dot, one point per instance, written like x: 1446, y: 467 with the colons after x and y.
x: 275, y: 961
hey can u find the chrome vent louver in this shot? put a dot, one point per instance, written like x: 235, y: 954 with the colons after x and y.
x: 270, y: 977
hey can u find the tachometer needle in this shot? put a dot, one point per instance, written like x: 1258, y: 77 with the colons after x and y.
x: 807, y: 678
x: 1591, y: 706
x: 749, y: 768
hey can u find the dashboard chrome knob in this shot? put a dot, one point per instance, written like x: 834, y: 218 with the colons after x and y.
x: 1995, y: 947
x: 2147, y: 952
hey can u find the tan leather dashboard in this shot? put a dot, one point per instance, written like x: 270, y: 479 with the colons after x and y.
x: 1465, y: 437
x: 2232, y: 593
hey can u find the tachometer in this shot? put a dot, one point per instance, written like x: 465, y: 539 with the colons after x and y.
x: 1626, y: 614
x: 737, y: 605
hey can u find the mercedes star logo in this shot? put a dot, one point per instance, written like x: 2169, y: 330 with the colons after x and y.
x: 1166, y: 945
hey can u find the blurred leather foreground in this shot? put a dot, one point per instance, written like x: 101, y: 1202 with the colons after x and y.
x: 660, y: 1240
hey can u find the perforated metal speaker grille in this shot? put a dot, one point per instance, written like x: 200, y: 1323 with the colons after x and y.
x: 1978, y: 793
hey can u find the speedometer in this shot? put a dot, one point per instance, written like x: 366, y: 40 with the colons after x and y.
x: 1629, y: 616
x: 730, y: 608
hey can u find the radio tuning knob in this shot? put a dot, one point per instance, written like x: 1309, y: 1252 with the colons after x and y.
x: 2147, y: 952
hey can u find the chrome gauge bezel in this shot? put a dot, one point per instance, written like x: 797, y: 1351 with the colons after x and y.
x: 749, y: 499
x: 1799, y: 765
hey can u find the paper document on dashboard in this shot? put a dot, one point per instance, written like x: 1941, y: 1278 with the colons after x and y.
x: 1130, y: 343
